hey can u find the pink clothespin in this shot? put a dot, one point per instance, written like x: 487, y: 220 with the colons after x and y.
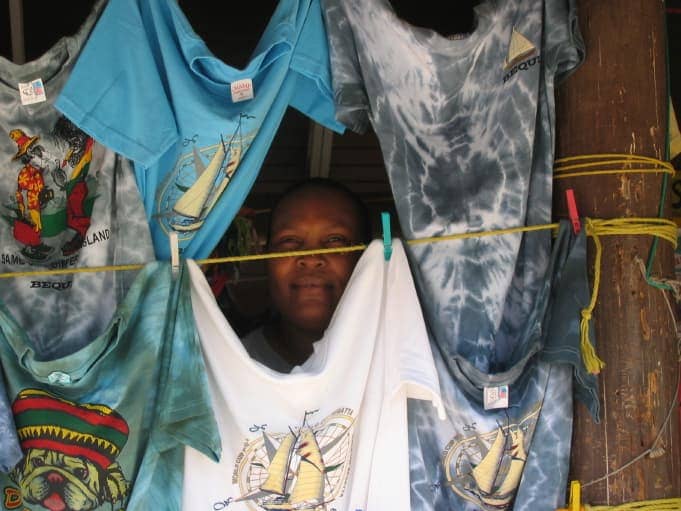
x: 572, y: 210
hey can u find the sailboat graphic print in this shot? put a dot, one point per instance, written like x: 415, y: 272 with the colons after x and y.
x: 486, y: 468
x: 195, y: 186
x: 305, y: 468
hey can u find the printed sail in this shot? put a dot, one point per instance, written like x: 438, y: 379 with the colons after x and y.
x: 235, y: 157
x: 519, y: 49
x: 192, y: 202
x: 309, y: 486
x: 515, y: 471
x: 278, y: 469
x: 506, y: 491
x: 488, y: 468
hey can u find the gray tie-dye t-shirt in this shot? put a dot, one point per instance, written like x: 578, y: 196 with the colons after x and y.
x: 466, y: 128
x: 65, y: 202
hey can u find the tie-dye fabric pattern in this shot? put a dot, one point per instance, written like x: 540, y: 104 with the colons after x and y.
x: 466, y: 128
x: 80, y: 207
x: 109, y: 422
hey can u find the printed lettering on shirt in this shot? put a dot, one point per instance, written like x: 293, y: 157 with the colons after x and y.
x: 57, y: 286
x: 303, y: 468
x: 64, y: 263
x: 222, y: 504
x: 523, y: 66
x: 12, y: 259
x: 12, y: 498
x: 486, y: 468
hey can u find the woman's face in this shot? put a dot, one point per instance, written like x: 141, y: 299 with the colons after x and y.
x: 306, y: 290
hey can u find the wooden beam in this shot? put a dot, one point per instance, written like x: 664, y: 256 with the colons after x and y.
x: 16, y: 20
x: 320, y: 143
x: 617, y: 103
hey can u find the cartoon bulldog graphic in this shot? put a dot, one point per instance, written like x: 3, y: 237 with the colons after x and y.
x: 70, y: 451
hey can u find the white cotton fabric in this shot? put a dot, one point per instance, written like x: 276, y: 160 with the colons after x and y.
x: 351, y: 394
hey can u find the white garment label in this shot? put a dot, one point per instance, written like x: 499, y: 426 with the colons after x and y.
x: 59, y: 378
x: 242, y: 90
x: 32, y: 92
x: 496, y: 397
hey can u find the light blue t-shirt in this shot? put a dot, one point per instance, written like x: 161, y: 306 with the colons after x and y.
x: 104, y: 428
x: 147, y: 86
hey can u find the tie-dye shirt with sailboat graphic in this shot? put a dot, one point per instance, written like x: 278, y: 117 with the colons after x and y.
x: 466, y: 128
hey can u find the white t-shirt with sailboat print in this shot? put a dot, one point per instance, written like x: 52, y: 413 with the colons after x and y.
x: 332, y: 434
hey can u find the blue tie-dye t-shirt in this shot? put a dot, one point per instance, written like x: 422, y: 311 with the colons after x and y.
x: 466, y: 128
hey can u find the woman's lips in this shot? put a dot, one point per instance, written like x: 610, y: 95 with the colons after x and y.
x: 312, y: 288
x: 311, y: 282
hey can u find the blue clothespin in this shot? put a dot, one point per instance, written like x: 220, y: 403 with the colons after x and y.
x: 387, y: 235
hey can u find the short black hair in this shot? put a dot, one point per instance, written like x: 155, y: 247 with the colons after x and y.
x: 323, y: 183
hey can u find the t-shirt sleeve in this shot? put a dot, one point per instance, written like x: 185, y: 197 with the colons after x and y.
x: 411, y: 369
x: 313, y: 95
x: 184, y: 408
x: 350, y: 96
x: 563, y: 44
x: 115, y: 91
x: 10, y: 452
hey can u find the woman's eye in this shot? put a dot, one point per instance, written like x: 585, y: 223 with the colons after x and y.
x: 337, y: 241
x: 284, y: 244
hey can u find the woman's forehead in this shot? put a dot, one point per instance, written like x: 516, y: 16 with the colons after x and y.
x: 318, y: 204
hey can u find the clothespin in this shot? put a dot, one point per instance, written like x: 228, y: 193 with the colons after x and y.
x: 387, y: 235
x: 575, y: 502
x: 174, y: 252
x: 572, y: 210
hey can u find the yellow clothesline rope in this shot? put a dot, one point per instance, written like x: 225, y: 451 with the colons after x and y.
x: 216, y: 260
x: 594, y: 164
x: 635, y: 226
x: 643, y: 505
x: 276, y: 255
x: 575, y: 504
x: 665, y: 229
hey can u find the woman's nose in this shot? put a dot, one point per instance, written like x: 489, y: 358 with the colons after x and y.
x: 311, y: 261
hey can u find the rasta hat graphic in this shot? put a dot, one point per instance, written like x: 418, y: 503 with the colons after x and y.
x: 23, y: 141
x: 44, y: 421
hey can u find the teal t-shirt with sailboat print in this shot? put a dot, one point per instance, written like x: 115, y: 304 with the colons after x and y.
x: 197, y: 128
x: 104, y: 428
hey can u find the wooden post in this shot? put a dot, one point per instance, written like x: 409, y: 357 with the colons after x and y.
x: 16, y: 19
x: 617, y: 103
